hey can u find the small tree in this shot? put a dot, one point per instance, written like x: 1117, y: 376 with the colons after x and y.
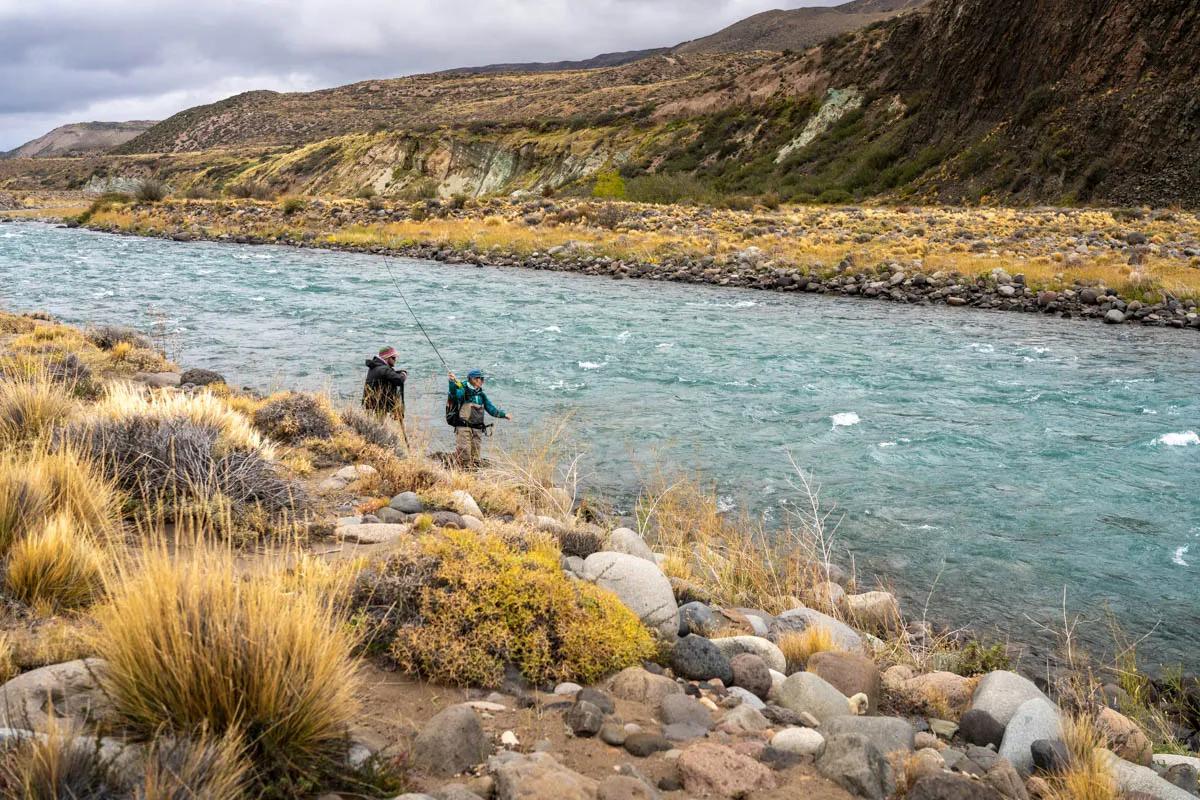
x: 609, y: 185
x: 151, y: 190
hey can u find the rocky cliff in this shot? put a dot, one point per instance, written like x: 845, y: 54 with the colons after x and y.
x: 80, y: 138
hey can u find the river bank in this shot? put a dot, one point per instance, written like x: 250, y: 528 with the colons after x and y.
x: 744, y: 668
x: 1118, y: 267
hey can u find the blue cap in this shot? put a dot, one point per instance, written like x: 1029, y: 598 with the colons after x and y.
x: 475, y: 373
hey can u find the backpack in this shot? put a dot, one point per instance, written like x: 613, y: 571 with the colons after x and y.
x: 454, y: 415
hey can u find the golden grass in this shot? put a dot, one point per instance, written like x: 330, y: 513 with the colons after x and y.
x: 38, y: 485
x: 51, y: 765
x: 55, y: 569
x: 1088, y: 777
x: 124, y: 400
x: 799, y: 646
x: 199, y: 767
x: 191, y: 645
x: 8, y: 662
x: 30, y: 407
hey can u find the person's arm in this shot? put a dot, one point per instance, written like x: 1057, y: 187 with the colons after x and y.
x: 499, y: 413
x: 396, y: 377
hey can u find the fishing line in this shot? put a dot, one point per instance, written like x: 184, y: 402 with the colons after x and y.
x: 400, y: 291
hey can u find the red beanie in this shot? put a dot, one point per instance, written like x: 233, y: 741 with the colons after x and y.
x: 388, y: 352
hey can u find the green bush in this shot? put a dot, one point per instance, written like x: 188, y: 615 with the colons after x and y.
x: 667, y: 189
x: 460, y: 606
x: 609, y: 185
x: 151, y: 190
x: 290, y: 205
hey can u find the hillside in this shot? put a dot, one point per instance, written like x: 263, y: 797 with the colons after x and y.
x: 1056, y: 101
x: 595, y: 62
x: 80, y: 138
x: 797, y: 29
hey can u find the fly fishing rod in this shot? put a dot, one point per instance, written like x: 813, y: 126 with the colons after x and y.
x: 417, y: 319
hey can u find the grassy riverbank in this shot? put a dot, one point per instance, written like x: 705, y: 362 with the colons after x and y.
x: 275, y: 587
x: 1144, y: 265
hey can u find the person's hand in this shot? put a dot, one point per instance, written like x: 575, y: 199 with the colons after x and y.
x: 404, y: 373
x: 509, y: 417
x: 453, y: 377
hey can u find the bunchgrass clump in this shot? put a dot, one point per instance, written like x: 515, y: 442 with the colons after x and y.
x: 295, y: 416
x: 191, y: 644
x: 30, y: 407
x: 38, y: 485
x: 57, y: 568
x: 463, y: 605
x: 192, y: 768
x: 799, y: 646
x: 53, y: 765
x: 373, y: 428
x: 1088, y: 775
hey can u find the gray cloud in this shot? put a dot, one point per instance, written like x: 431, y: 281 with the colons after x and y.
x: 78, y: 60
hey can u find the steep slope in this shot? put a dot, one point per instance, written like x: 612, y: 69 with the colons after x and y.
x: 80, y: 138
x: 797, y: 29
x: 423, y: 102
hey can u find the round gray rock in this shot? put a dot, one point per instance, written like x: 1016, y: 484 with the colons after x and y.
x: 640, y: 586
x: 763, y: 648
x: 407, y: 503
x: 698, y: 659
x: 804, y: 692
x: 1034, y: 719
x: 450, y: 743
x: 1001, y: 693
x: 751, y: 673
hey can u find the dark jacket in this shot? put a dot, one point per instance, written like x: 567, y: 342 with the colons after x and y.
x: 384, y: 387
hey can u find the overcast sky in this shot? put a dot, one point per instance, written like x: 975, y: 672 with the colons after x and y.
x: 81, y: 60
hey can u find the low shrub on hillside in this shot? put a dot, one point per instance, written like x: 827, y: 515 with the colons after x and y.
x: 295, y: 416
x: 191, y: 644
x: 460, y: 606
x: 609, y: 185
x: 292, y: 205
x: 106, y: 337
x: 250, y: 190
x: 151, y: 190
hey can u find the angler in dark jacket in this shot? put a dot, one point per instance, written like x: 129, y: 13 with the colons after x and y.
x: 383, y: 391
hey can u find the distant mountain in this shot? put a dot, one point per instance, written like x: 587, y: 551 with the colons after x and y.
x: 798, y: 28
x: 596, y: 62
x: 81, y: 138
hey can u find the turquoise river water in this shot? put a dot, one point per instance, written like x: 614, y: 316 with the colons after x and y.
x: 997, y: 459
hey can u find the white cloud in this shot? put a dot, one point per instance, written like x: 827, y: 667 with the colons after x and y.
x: 77, y: 60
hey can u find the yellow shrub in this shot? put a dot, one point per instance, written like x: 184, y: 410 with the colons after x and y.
x: 191, y: 645
x: 800, y: 646
x: 36, y: 486
x: 120, y: 351
x: 490, y: 604
x: 30, y: 407
x: 56, y: 568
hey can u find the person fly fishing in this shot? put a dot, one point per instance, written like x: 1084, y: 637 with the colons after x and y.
x: 383, y: 390
x: 466, y: 404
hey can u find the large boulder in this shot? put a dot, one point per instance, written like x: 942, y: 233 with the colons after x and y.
x: 451, y: 742
x: 640, y: 686
x: 888, y: 734
x: 752, y: 674
x: 699, y: 618
x: 538, y: 776
x: 1124, y: 737
x: 1132, y: 778
x: 978, y: 727
x: 200, y: 377
x: 630, y: 542
x: 713, y: 770
x: 1001, y: 693
x: 1033, y: 720
x: 852, y: 762
x: 67, y: 692
x: 937, y: 693
x: 876, y: 611
x: 850, y: 674
x: 950, y: 786
x: 805, y: 692
x: 799, y: 619
x: 407, y: 503
x: 640, y: 585
x: 763, y: 648
x: 698, y: 659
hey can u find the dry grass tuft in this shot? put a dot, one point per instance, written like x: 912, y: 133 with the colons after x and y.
x: 39, y: 485
x: 55, y: 569
x: 296, y: 416
x: 53, y: 765
x: 1088, y: 777
x: 30, y: 407
x: 800, y: 646
x: 194, y: 768
x: 191, y: 645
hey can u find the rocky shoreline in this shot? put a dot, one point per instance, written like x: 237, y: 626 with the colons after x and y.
x: 896, y: 280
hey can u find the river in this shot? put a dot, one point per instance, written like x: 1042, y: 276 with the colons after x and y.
x: 995, y: 459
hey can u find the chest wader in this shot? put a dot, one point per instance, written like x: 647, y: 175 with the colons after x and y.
x: 468, y: 434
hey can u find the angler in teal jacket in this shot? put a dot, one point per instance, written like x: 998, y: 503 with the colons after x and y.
x: 466, y: 405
